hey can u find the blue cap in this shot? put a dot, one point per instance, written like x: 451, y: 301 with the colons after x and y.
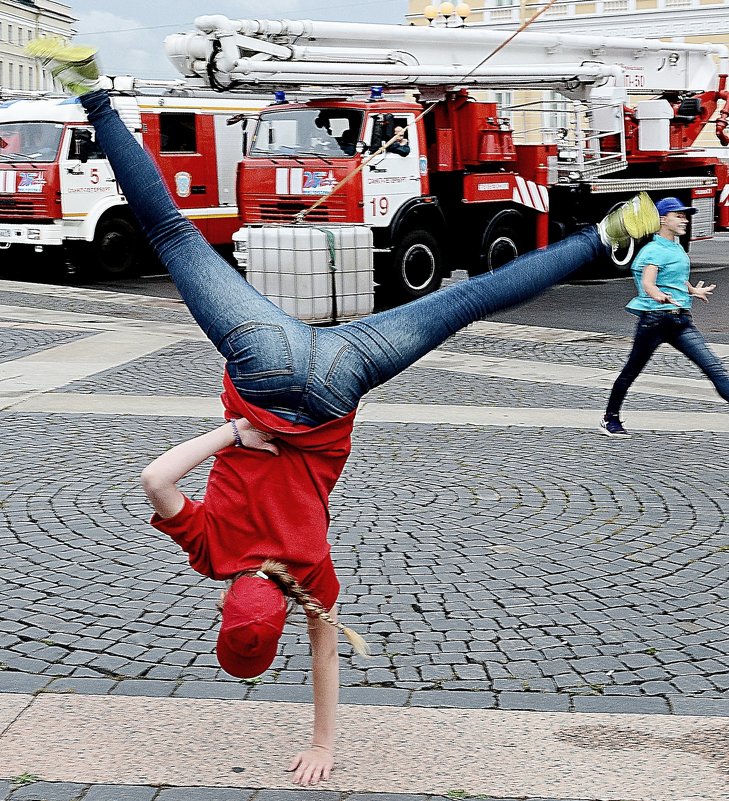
x: 669, y: 204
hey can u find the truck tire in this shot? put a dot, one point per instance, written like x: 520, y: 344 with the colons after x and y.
x: 115, y: 249
x: 502, y: 240
x: 416, y: 267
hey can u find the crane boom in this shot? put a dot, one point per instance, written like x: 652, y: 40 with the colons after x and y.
x: 293, y: 54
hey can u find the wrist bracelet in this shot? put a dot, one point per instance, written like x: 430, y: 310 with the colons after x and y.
x: 236, y: 435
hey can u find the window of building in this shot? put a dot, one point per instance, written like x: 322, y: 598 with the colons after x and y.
x: 555, y: 113
x: 21, y: 76
x: 10, y: 33
x: 503, y: 100
x: 177, y: 133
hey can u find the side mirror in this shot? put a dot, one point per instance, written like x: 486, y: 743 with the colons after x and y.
x: 360, y: 147
x: 377, y: 134
x: 81, y: 144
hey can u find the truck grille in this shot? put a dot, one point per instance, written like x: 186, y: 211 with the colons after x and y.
x: 275, y: 210
x: 24, y: 208
x: 702, y: 223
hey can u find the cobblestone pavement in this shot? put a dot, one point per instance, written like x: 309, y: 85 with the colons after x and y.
x: 68, y: 791
x: 505, y: 568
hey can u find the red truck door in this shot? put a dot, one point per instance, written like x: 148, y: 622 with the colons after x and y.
x: 183, y: 146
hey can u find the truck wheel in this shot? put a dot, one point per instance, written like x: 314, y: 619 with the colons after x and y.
x: 502, y: 240
x: 416, y: 267
x: 116, y: 248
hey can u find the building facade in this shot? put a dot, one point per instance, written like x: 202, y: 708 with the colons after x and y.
x: 21, y: 21
x: 683, y: 20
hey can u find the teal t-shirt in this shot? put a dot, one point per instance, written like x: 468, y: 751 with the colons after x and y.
x: 673, y: 273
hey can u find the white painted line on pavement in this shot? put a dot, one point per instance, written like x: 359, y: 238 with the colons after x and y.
x: 570, y: 375
x: 90, y: 295
x: 31, y: 317
x: 119, y: 405
x: 537, y: 417
x: 56, y: 367
x: 404, y: 413
x: 536, y: 333
x: 542, y: 335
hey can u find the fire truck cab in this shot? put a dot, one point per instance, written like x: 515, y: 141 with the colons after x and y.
x: 299, y: 151
x: 57, y: 190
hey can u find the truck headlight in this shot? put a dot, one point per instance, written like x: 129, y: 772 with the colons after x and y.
x: 34, y: 233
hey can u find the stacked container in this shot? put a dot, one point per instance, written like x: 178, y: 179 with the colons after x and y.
x: 317, y: 274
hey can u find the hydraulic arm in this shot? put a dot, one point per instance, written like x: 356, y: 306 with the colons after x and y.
x: 346, y: 56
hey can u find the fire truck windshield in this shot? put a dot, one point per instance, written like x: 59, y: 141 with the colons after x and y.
x: 29, y: 141
x: 326, y: 132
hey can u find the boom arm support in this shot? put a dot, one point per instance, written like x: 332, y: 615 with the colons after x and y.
x: 303, y: 53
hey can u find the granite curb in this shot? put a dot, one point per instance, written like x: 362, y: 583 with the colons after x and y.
x: 11, y: 790
x: 32, y: 684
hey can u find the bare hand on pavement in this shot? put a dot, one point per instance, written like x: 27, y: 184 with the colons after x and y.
x: 312, y: 766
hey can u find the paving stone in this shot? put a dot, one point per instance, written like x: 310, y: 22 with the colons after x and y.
x: 682, y: 705
x: 373, y: 695
x: 205, y: 794
x: 212, y: 689
x: 633, y: 705
x: 386, y: 797
x: 534, y: 702
x: 120, y: 792
x: 49, y: 791
x: 298, y: 795
x: 152, y: 689
x: 82, y: 686
x: 452, y: 698
x: 282, y: 692
x: 691, y: 684
x: 11, y: 682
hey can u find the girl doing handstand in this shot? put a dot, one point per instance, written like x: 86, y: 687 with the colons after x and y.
x: 290, y: 393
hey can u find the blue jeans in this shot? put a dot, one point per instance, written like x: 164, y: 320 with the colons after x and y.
x: 302, y: 373
x: 677, y: 329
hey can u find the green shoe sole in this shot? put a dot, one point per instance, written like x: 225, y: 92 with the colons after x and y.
x: 53, y: 48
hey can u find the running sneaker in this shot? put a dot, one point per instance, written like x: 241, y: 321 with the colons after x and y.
x: 633, y: 220
x: 612, y: 427
x: 74, y: 66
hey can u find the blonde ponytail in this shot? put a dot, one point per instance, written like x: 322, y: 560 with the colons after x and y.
x: 291, y: 588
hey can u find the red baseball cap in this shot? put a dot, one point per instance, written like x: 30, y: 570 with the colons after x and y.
x: 254, y: 614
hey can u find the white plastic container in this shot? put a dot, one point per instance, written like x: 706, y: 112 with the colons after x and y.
x: 291, y: 266
x: 654, y: 125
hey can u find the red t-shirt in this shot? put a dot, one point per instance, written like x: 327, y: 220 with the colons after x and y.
x: 258, y: 506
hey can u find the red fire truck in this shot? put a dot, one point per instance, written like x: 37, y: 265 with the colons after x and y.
x: 477, y: 183
x: 58, y: 193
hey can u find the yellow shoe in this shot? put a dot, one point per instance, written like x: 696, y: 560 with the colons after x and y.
x: 633, y: 220
x: 74, y: 66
